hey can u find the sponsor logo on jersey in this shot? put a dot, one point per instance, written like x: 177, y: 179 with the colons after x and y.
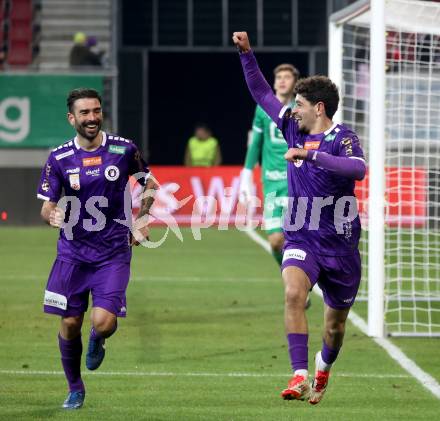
x: 64, y: 154
x: 296, y: 254
x: 117, y: 149
x: 111, y: 173
x: 92, y: 161
x: 348, y: 145
x: 53, y: 299
x: 94, y: 173
x: 74, y: 181
x: 275, y: 175
x: 72, y: 170
x: 348, y: 300
x: 311, y: 145
x: 330, y: 137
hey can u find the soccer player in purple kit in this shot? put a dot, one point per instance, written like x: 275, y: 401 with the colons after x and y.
x: 322, y: 227
x: 94, y: 246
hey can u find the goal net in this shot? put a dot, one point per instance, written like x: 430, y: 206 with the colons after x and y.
x: 412, y: 151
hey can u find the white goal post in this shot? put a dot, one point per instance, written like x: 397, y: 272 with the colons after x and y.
x: 385, y: 57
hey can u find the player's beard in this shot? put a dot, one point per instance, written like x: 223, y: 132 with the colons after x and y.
x: 302, y: 128
x: 81, y: 128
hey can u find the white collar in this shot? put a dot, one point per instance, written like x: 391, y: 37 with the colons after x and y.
x: 104, y: 140
x: 328, y: 131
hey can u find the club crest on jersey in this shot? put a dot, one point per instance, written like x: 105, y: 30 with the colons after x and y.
x: 111, y: 173
x: 298, y: 162
x: 74, y: 181
x: 92, y: 161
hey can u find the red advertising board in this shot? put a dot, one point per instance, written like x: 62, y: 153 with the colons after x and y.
x: 193, y: 195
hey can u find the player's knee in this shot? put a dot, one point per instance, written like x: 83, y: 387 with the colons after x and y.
x: 335, y: 331
x: 105, y: 325
x: 295, y: 295
x: 71, y: 326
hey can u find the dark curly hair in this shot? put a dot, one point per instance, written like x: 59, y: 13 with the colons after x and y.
x: 319, y: 89
x: 80, y: 93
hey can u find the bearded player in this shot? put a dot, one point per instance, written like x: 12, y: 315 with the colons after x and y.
x: 94, y: 245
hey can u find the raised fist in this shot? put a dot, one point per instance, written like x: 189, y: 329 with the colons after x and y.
x: 241, y: 40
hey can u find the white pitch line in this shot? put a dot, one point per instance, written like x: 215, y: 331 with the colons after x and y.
x: 425, y: 379
x: 196, y: 374
x: 149, y: 278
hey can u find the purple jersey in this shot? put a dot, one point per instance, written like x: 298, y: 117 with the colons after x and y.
x: 322, y: 213
x: 327, y: 229
x: 96, y: 181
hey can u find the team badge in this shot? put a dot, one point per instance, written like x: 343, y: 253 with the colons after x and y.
x: 74, y: 181
x: 111, y: 173
x: 298, y: 162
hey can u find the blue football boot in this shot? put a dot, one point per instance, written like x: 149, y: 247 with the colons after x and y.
x: 74, y: 400
x: 95, y: 353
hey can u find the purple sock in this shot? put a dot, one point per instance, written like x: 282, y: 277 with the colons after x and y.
x: 71, y: 359
x: 329, y: 355
x: 298, y: 350
x: 95, y: 335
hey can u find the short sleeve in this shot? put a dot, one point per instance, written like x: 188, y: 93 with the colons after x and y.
x: 137, y: 164
x: 288, y: 126
x: 50, y: 185
x: 348, y: 145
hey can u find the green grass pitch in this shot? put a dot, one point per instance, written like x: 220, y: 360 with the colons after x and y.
x: 203, y: 340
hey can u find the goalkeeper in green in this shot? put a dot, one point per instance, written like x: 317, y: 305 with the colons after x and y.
x: 268, y: 144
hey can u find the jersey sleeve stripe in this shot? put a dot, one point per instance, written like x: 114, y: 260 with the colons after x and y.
x: 357, y: 157
x: 40, y: 196
x: 282, y: 111
x: 257, y: 129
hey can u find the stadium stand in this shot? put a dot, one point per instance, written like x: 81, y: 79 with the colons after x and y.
x: 17, y: 31
x: 61, y: 19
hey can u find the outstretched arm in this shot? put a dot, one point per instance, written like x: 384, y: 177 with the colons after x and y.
x: 258, y: 87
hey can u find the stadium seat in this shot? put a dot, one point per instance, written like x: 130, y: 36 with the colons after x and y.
x: 21, y: 10
x: 20, y: 53
x: 20, y: 31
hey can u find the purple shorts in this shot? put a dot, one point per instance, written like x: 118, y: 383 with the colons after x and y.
x: 69, y: 285
x: 337, y: 276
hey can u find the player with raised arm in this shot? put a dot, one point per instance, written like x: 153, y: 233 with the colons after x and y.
x: 323, y: 228
x: 267, y: 143
x: 94, y: 246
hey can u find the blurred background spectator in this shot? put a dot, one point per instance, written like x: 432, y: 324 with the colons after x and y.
x: 81, y: 53
x: 202, y: 149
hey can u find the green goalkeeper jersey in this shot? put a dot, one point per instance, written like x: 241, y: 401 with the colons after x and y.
x: 267, y: 142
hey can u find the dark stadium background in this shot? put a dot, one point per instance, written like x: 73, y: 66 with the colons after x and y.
x: 199, y: 79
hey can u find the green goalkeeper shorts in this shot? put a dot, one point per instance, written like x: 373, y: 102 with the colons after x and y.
x: 275, y: 205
